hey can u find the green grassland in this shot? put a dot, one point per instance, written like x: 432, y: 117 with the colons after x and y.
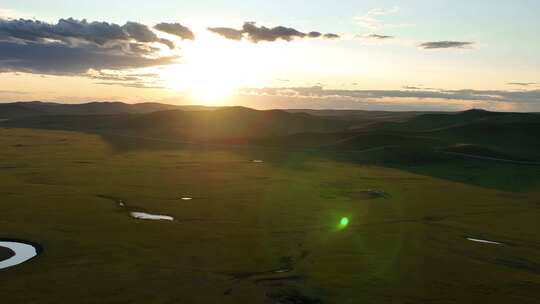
x: 62, y: 190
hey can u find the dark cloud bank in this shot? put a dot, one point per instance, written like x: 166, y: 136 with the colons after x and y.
x: 255, y: 34
x: 74, y: 46
x: 71, y: 30
x: 60, y: 59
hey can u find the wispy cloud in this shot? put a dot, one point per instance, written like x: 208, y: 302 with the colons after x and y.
x: 432, y: 45
x: 411, y: 92
x: 111, y: 75
x: 131, y: 79
x: 9, y: 92
x: 373, y: 19
x: 255, y: 34
x: 420, y: 87
x: 523, y: 84
x: 377, y: 37
x: 133, y: 84
x: 331, y: 36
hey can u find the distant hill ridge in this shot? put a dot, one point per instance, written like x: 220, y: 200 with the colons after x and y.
x: 35, y: 108
x: 179, y: 122
x: 479, y: 131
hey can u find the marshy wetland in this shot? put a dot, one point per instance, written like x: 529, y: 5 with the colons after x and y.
x: 299, y: 227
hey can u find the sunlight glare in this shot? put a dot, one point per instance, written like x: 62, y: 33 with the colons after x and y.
x: 213, y: 69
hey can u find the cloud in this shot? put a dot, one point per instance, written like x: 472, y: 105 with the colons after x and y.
x: 72, y: 47
x: 446, y: 45
x: 285, y: 102
x: 61, y: 59
x: 73, y: 31
x: 371, y: 20
x: 318, y: 92
x: 522, y: 84
x: 111, y: 75
x: 176, y: 29
x: 142, y: 33
x: 8, y: 92
x: 228, y: 33
x: 378, y: 37
x: 331, y: 36
x: 419, y: 87
x: 255, y: 34
x: 133, y: 84
x: 412, y: 88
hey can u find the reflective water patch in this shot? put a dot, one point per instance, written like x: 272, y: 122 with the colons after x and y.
x: 152, y: 217
x: 16, y: 253
x: 484, y: 241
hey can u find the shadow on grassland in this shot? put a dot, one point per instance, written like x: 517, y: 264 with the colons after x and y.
x: 418, y: 157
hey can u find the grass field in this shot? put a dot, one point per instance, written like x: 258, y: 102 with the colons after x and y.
x: 256, y: 232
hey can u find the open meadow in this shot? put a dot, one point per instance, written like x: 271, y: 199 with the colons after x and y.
x: 261, y: 225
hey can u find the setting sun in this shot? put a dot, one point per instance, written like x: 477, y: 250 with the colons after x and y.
x: 213, y: 69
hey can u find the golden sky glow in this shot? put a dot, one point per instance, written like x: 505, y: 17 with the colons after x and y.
x: 470, y: 65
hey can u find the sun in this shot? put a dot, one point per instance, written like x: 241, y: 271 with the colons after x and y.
x: 210, y: 93
x: 211, y: 83
x: 204, y: 83
x: 214, y: 69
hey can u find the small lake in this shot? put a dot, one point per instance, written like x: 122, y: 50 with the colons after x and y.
x: 484, y: 241
x: 13, y: 253
x: 150, y: 217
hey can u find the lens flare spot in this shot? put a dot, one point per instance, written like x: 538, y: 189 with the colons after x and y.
x: 344, y: 222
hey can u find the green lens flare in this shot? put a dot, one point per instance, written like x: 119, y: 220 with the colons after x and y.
x: 344, y: 222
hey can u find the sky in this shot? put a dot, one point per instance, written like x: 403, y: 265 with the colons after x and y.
x: 374, y: 55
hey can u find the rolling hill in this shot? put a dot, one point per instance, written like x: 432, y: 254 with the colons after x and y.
x: 513, y: 134
x: 193, y: 125
x: 37, y: 108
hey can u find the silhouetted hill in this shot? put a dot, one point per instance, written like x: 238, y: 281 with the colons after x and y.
x: 439, y: 121
x: 235, y: 122
x: 510, y: 133
x: 514, y: 134
x: 13, y: 110
x: 25, y: 109
x: 195, y: 125
x: 362, y: 118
